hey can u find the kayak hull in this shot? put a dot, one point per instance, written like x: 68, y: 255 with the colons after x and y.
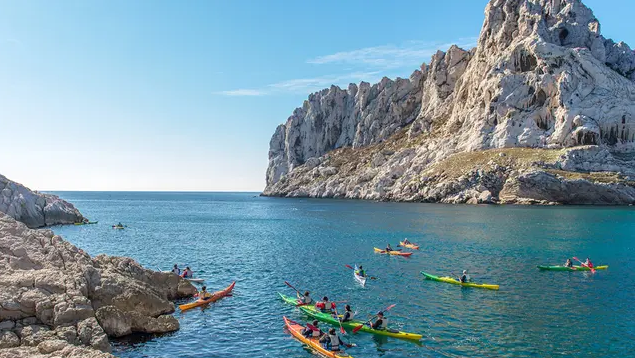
x: 358, y: 278
x: 394, y: 253
x: 410, y: 246
x: 575, y: 268
x: 296, y: 331
x: 457, y: 282
x: 197, y: 280
x: 327, y: 318
x: 215, y: 297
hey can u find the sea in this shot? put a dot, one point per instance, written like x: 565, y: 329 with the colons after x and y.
x: 261, y: 242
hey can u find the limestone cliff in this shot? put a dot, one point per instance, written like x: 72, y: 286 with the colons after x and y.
x: 33, y: 208
x: 57, y: 301
x: 542, y: 77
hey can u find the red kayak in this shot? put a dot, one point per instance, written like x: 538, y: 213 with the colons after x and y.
x: 215, y: 297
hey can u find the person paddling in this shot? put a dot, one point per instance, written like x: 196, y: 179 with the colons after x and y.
x: 203, y: 295
x: 348, y: 314
x: 176, y: 270
x: 569, y: 263
x: 312, y: 330
x: 325, y: 306
x: 406, y: 242
x: 588, y: 263
x: 388, y: 248
x: 331, y: 341
x: 305, y: 299
x: 187, y: 273
x: 381, y: 322
x: 360, y: 271
x: 465, y: 277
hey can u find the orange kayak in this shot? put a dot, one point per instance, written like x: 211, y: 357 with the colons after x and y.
x: 296, y: 331
x: 215, y: 297
x: 397, y: 253
x: 410, y: 246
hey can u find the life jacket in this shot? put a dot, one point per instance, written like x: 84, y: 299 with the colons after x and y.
x: 334, y: 342
x: 317, y: 333
x: 203, y: 295
x: 320, y: 305
x: 589, y: 263
x: 348, y: 316
x: 176, y: 271
x: 306, y: 299
x: 382, y: 325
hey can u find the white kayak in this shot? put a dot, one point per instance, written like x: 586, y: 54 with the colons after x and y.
x: 358, y: 278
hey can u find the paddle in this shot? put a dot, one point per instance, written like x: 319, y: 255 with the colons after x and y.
x: 583, y: 264
x: 356, y: 329
x: 337, y: 316
x: 296, y: 290
x: 371, y: 277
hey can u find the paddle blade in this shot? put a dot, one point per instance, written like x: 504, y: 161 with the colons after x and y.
x: 342, y: 330
x: 288, y: 284
x: 390, y: 307
x: 356, y: 329
x: 349, y: 266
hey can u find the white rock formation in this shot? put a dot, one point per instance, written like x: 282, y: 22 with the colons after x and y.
x: 33, y: 208
x: 55, y: 300
x: 542, y: 76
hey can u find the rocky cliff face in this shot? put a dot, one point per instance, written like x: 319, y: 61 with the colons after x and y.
x: 33, y: 208
x: 541, y: 77
x: 55, y: 300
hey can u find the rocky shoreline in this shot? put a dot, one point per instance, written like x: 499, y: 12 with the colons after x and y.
x: 33, y: 208
x: 57, y: 301
x: 542, y: 111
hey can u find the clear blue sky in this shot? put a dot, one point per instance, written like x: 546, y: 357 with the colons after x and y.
x: 170, y: 95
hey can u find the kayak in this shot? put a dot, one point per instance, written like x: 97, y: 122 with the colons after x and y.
x: 410, y: 246
x: 457, y: 282
x: 574, y: 268
x: 88, y: 223
x: 397, y: 253
x: 358, y: 278
x: 350, y: 325
x: 117, y: 227
x: 296, y: 331
x: 199, y: 280
x: 215, y: 297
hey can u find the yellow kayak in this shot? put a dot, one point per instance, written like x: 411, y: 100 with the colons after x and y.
x: 457, y: 282
x: 397, y: 253
x: 410, y: 246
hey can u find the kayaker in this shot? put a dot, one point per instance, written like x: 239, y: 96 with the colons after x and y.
x: 348, y: 314
x: 120, y: 224
x: 406, y: 242
x: 176, y: 270
x: 360, y: 271
x: 203, y: 294
x: 305, y: 299
x: 331, y: 340
x: 312, y: 330
x: 588, y: 263
x: 388, y: 248
x: 569, y: 263
x: 465, y: 277
x: 325, y: 306
x: 187, y: 273
x: 381, y: 322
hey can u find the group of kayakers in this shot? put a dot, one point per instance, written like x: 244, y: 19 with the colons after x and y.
x: 330, y: 339
x: 186, y: 273
x: 587, y: 263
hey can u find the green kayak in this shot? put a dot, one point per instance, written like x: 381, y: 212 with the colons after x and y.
x: 328, y: 318
x: 457, y: 282
x: 574, y: 268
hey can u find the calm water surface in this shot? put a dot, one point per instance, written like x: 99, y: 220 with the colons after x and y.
x: 261, y: 242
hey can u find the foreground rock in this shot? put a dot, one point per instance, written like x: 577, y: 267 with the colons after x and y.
x: 56, y: 300
x: 541, y: 77
x: 33, y: 208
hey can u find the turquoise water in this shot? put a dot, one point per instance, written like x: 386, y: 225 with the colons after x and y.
x: 261, y: 242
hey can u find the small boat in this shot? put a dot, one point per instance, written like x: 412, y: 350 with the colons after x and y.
x: 118, y: 227
x: 197, y: 280
x: 358, y: 278
x: 215, y: 297
x: 574, y: 268
x: 311, y: 311
x: 457, y: 282
x: 410, y: 246
x: 296, y: 331
x: 87, y: 223
x: 396, y: 253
